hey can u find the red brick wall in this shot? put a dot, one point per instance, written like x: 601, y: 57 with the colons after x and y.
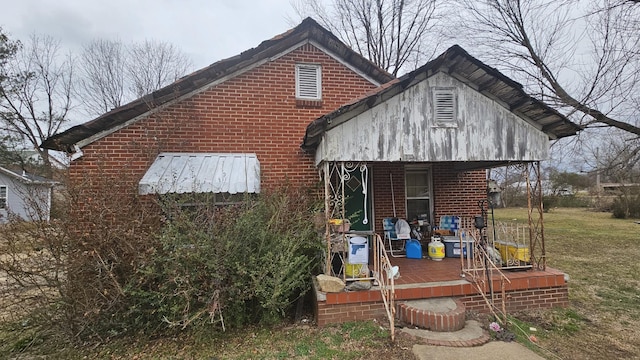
x: 383, y: 173
x: 516, y: 300
x: 457, y: 193
x: 340, y: 313
x: 454, y: 193
x: 254, y: 112
x: 521, y: 300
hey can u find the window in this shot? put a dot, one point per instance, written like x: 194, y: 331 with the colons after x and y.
x: 3, y: 197
x: 308, y: 82
x: 200, y: 206
x: 444, y: 107
x: 418, y: 189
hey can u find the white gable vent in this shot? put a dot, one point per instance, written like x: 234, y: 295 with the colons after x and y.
x: 444, y: 105
x: 308, y: 82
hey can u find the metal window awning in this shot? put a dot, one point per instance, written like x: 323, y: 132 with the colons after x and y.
x: 202, y: 173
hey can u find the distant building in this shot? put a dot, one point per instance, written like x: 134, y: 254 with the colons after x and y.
x: 24, y: 196
x: 616, y: 188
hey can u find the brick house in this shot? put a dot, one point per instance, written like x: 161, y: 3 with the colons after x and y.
x: 303, y: 101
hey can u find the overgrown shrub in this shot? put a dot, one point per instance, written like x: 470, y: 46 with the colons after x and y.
x: 257, y: 255
x: 111, y: 233
x: 115, y: 262
x: 626, y: 206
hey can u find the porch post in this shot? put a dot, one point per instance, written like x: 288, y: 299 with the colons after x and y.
x: 327, y: 215
x: 535, y: 211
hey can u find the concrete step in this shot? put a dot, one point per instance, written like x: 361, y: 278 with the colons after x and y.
x: 438, y: 314
x: 471, y: 335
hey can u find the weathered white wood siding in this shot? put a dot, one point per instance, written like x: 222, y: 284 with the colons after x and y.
x: 402, y: 129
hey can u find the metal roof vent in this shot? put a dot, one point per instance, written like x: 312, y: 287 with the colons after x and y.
x: 444, y: 105
x: 308, y: 82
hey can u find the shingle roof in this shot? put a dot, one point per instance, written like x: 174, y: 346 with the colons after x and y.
x: 309, y: 29
x: 27, y: 178
x: 464, y: 67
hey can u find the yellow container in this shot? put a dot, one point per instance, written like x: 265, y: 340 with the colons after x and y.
x: 436, y: 249
x: 511, y: 252
x: 353, y: 270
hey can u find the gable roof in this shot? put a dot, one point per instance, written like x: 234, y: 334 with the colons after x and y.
x: 27, y: 178
x: 308, y: 30
x: 456, y: 62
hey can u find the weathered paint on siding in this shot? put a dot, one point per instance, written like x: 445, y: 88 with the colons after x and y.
x: 403, y: 129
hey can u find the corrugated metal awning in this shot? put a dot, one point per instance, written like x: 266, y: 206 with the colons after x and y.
x: 202, y: 173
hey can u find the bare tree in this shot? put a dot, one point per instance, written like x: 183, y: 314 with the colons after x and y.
x: 391, y: 33
x: 152, y: 65
x: 36, y: 93
x: 114, y: 73
x: 103, y: 75
x: 582, y: 55
x: 616, y: 158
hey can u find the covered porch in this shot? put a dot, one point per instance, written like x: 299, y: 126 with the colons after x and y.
x: 421, y: 148
x: 522, y: 281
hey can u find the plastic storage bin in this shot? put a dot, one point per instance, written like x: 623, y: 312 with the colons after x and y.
x: 512, y: 252
x: 452, y: 247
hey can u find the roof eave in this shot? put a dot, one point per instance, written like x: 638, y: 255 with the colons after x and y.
x: 447, y: 62
x: 308, y: 30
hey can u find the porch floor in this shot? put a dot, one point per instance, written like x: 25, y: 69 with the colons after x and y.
x: 426, y: 278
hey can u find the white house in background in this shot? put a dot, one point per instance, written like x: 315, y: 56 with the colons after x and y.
x: 25, y: 196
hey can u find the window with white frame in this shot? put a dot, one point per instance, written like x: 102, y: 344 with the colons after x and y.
x: 3, y: 197
x: 418, y: 192
x: 445, y: 107
x: 308, y: 82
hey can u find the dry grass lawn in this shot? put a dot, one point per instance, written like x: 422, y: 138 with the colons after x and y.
x: 602, y: 257
x: 600, y: 254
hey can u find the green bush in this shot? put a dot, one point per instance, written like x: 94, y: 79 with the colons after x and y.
x: 626, y: 206
x: 259, y: 256
x: 570, y: 201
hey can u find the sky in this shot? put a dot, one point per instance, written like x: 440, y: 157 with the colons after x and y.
x: 206, y: 31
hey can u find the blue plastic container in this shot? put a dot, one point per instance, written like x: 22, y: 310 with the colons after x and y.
x: 414, y: 249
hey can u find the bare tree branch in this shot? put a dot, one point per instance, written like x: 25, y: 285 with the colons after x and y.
x: 544, y: 42
x: 114, y: 73
x: 390, y: 33
x: 152, y: 65
x: 36, y: 93
x: 102, y: 79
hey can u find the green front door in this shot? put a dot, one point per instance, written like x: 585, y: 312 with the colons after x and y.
x: 358, y: 194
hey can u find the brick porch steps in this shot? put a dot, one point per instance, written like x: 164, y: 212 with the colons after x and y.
x: 438, y: 314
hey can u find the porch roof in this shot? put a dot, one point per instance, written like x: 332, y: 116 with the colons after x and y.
x: 458, y: 64
x: 202, y: 173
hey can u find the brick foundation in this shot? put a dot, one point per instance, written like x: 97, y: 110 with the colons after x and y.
x: 520, y: 300
x: 533, y: 290
x: 340, y: 313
